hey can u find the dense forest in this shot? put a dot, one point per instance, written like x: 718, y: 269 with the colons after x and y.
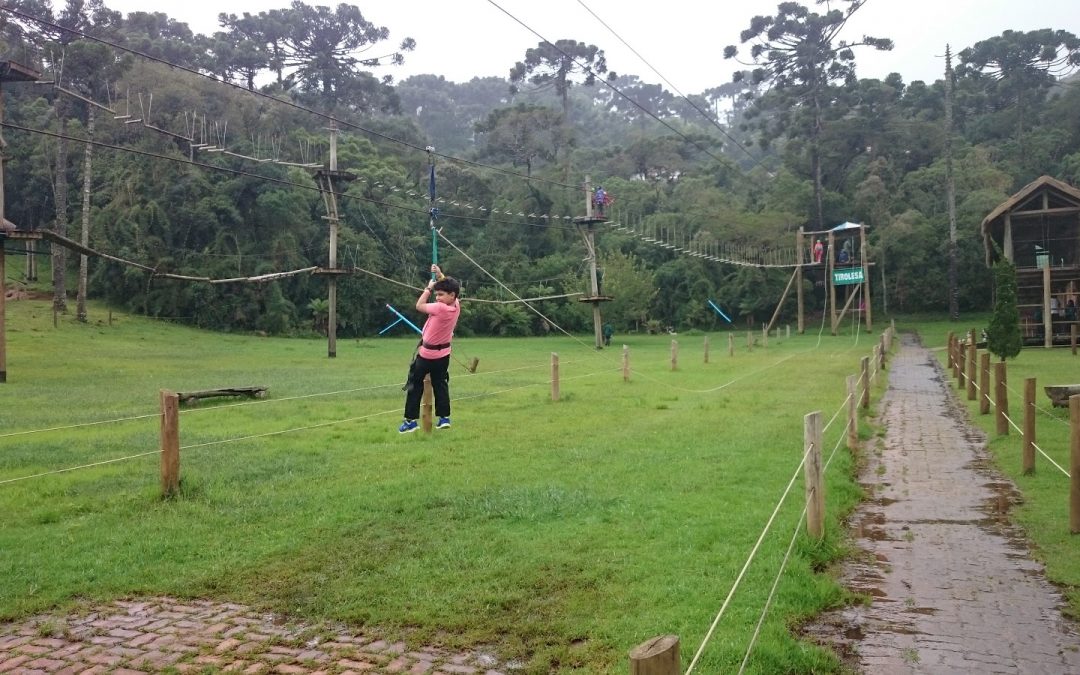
x: 204, y: 146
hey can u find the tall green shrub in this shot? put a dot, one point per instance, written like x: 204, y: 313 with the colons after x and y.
x: 1003, y: 336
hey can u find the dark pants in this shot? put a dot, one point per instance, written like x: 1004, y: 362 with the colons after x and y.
x: 440, y: 386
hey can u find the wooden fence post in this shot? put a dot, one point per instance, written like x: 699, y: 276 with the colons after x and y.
x: 788, y: 327
x: 731, y: 344
x: 749, y: 341
x: 882, y: 350
x: 626, y: 363
x: 658, y: 656
x: 1074, y: 464
x: 170, y: 443
x: 960, y: 372
x: 1001, y: 398
x: 1029, y: 426
x: 764, y: 337
x: 865, y: 363
x: 425, y: 406
x: 852, y: 412
x: 984, y: 383
x: 554, y: 377
x: 674, y: 354
x: 706, y: 349
x: 1072, y: 338
x: 815, y: 488
x: 950, y: 350
x: 972, y: 371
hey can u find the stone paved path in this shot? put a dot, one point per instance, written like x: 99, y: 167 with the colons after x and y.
x: 151, y: 636
x: 952, y: 585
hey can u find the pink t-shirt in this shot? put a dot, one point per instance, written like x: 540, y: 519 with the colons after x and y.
x: 439, y: 327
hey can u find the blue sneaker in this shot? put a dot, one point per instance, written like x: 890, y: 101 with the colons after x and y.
x: 443, y: 423
x: 407, y: 426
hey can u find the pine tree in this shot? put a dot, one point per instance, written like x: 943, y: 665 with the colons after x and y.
x: 1003, y: 336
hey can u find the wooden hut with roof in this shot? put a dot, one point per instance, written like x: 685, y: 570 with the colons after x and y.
x: 1038, y: 230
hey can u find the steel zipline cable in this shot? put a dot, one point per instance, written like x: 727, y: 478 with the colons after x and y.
x: 296, y: 106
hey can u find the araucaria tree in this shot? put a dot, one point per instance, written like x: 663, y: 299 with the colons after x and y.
x: 801, y: 55
x: 1003, y: 335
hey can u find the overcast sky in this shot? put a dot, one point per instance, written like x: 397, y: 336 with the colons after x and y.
x: 682, y: 39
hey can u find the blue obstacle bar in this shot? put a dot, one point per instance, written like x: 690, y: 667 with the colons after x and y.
x: 401, y: 317
x: 719, y: 311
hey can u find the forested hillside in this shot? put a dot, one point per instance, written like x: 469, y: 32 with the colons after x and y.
x: 204, y: 147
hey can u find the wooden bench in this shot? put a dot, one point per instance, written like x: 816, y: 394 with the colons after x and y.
x: 192, y: 397
x: 1059, y: 393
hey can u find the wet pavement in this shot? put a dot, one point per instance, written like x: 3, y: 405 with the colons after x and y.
x: 951, y: 583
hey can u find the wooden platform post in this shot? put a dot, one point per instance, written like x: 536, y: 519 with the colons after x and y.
x: 3, y: 298
x: 1072, y: 338
x: 554, y: 377
x: 1001, y: 398
x: 170, y: 443
x: 426, y: 406
x: 815, y: 487
x: 1029, y: 426
x: 658, y: 656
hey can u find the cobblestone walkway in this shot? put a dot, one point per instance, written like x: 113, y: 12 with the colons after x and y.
x: 151, y: 636
x: 952, y: 585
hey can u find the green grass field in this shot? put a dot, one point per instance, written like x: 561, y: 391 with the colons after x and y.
x: 560, y: 534
x: 1044, y: 511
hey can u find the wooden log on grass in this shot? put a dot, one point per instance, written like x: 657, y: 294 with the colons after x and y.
x: 658, y: 656
x: 1059, y: 394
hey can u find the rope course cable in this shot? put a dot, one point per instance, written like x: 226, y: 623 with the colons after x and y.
x: 285, y: 102
x: 757, y: 161
x: 609, y: 85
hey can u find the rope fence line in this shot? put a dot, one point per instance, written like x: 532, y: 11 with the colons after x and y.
x: 965, y: 379
x: 191, y: 411
x: 746, y: 565
x: 783, y: 567
x: 810, y: 446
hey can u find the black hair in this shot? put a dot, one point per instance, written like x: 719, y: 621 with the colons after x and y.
x: 449, y: 285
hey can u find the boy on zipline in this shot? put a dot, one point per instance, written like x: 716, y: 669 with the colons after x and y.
x: 433, y: 354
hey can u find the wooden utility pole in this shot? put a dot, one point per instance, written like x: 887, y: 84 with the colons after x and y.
x: 950, y: 191
x: 585, y: 227
x: 9, y: 72
x: 330, y: 181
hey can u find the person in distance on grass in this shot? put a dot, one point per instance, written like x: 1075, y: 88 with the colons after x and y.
x: 433, y: 353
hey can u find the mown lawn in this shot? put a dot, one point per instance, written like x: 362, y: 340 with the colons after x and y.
x: 1044, y: 510
x: 560, y: 534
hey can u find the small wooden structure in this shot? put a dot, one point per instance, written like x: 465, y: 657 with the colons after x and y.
x: 192, y: 397
x: 1059, y: 393
x: 1038, y: 230
x: 837, y: 260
